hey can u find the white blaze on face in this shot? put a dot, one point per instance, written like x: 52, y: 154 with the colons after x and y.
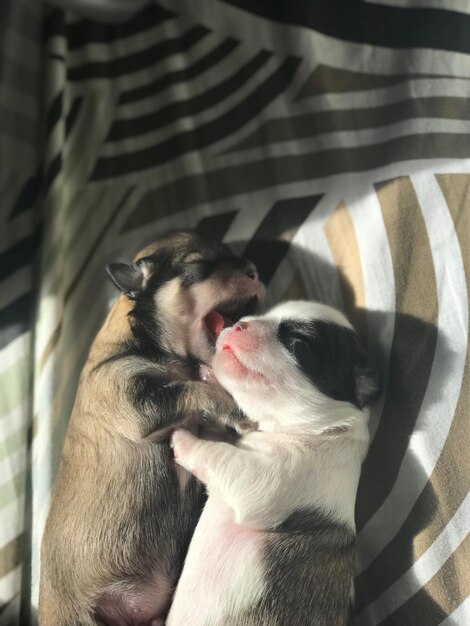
x: 175, y: 306
x: 182, y: 311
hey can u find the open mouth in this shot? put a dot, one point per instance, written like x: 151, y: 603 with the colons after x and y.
x: 227, y: 313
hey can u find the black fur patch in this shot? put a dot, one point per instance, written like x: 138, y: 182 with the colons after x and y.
x: 309, y: 563
x: 332, y: 358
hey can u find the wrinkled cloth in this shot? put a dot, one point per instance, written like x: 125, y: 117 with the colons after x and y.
x: 327, y: 141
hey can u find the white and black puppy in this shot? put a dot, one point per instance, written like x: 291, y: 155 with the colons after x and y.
x: 275, y: 543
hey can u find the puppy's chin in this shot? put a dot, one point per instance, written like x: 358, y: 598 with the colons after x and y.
x: 228, y: 366
x: 237, y: 378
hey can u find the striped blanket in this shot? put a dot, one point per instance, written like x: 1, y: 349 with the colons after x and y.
x: 330, y: 142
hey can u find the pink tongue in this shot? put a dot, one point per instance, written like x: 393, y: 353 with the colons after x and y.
x: 216, y: 322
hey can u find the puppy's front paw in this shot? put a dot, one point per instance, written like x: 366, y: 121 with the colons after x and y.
x: 182, y: 443
x: 206, y: 374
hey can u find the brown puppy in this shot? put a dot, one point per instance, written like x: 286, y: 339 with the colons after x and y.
x: 122, y: 515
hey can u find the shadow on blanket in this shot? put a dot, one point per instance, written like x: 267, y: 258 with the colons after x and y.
x: 388, y: 545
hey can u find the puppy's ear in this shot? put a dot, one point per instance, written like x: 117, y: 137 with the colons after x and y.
x: 130, y: 278
x: 367, y: 383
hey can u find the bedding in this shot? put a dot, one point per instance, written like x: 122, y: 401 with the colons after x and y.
x: 330, y: 143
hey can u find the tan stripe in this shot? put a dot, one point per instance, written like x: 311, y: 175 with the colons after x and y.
x: 315, y: 123
x: 449, y: 482
x: 451, y: 476
x: 339, y: 230
x: 413, y: 345
x: 415, y: 282
x: 441, y: 595
x: 217, y: 184
x: 296, y: 290
x: 450, y: 479
x: 456, y: 190
x: 326, y: 79
x: 11, y: 555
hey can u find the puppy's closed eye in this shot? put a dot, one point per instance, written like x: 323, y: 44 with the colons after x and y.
x: 307, y: 354
x: 331, y: 357
x: 196, y: 271
x: 304, y: 342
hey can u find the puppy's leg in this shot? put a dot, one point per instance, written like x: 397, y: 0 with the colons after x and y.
x: 244, y: 478
x: 162, y: 406
x: 195, y: 454
x: 57, y: 611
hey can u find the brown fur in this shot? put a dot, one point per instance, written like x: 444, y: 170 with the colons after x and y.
x: 121, y: 516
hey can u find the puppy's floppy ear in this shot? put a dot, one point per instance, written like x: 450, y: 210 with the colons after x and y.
x: 130, y: 278
x: 366, y: 380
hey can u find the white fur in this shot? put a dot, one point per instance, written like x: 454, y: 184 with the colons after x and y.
x: 305, y: 310
x: 307, y: 453
x: 214, y: 579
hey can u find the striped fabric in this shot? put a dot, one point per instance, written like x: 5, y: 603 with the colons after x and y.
x: 330, y: 142
x: 20, y: 109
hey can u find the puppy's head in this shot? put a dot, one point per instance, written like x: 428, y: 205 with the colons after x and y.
x: 184, y: 289
x: 298, y: 360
